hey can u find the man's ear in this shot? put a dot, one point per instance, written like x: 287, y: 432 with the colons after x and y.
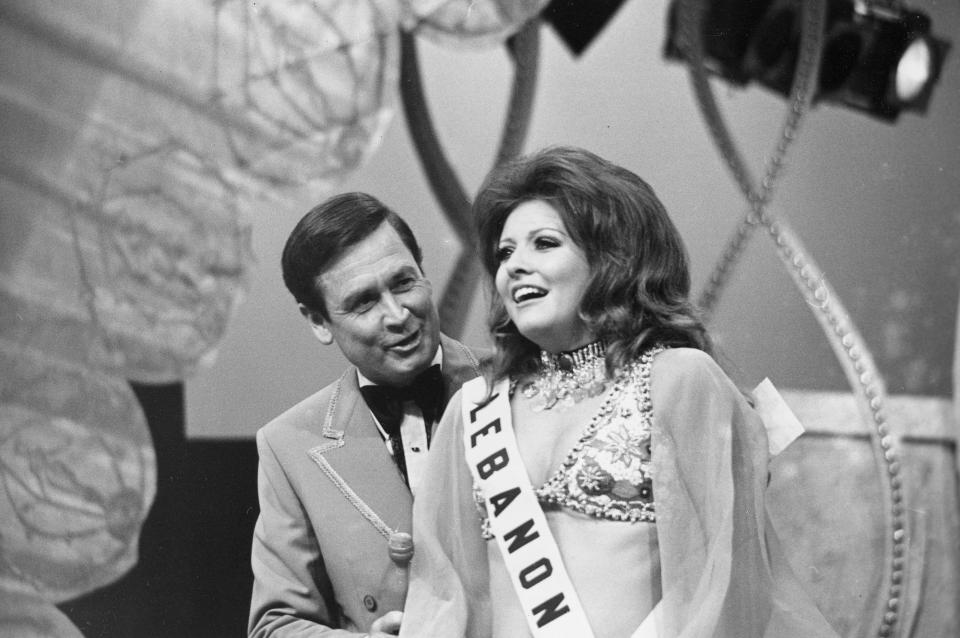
x: 318, y: 324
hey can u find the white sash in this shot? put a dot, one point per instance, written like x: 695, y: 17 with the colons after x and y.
x: 547, y: 597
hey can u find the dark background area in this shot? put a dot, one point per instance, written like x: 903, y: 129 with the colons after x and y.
x: 193, y: 578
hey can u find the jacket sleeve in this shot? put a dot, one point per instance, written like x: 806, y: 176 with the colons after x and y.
x: 288, y: 567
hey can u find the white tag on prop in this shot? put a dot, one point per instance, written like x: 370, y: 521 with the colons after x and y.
x: 781, y: 423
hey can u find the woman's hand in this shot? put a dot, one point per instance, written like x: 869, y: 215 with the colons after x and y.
x: 386, y: 625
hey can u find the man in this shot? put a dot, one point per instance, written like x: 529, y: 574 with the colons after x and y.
x: 333, y: 478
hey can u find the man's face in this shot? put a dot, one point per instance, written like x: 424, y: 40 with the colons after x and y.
x: 380, y: 307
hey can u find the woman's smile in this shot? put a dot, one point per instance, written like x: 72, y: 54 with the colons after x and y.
x: 542, y: 277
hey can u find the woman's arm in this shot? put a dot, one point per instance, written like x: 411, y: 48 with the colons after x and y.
x: 448, y: 596
x: 710, y: 467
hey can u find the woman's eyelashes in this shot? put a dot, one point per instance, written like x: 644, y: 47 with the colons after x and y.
x: 540, y: 242
x: 546, y: 242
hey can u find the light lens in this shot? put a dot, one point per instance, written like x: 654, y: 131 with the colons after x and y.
x: 914, y: 70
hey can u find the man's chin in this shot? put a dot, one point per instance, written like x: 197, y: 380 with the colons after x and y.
x: 405, y: 368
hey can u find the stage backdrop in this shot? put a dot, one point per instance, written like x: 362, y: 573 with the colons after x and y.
x: 878, y: 206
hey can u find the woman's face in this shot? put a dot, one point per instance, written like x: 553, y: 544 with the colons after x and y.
x: 542, y: 277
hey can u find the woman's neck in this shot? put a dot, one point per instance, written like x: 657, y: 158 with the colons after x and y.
x: 567, y: 377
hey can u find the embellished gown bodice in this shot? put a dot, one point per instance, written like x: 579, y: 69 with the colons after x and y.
x: 607, y: 474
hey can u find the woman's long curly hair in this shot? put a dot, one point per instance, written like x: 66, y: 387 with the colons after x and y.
x: 638, y: 291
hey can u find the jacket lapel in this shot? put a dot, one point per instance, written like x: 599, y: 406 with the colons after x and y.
x: 355, y: 458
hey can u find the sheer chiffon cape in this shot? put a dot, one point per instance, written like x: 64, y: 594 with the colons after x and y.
x: 722, y: 569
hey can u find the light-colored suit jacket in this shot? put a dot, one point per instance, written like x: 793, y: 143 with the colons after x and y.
x: 330, y: 495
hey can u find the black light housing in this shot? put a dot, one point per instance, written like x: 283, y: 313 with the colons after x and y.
x: 578, y: 23
x: 876, y: 58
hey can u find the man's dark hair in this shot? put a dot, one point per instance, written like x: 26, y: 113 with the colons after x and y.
x: 326, y: 233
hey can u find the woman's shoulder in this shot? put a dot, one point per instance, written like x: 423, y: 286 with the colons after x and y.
x: 478, y: 389
x: 688, y: 368
x: 474, y: 394
x: 685, y: 361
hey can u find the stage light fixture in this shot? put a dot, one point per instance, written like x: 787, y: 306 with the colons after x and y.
x: 578, y: 23
x: 879, y: 58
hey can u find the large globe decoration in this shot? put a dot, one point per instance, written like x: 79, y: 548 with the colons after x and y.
x: 313, y: 81
x: 30, y: 615
x: 77, y: 476
x: 129, y: 260
x: 463, y: 23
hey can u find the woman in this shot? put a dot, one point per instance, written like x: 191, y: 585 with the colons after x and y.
x: 606, y: 478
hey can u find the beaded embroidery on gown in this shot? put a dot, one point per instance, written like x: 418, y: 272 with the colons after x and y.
x: 607, y: 474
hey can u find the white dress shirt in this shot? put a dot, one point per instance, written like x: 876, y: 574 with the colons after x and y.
x: 413, y: 433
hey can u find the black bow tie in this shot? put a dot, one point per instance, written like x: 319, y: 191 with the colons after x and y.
x: 386, y: 403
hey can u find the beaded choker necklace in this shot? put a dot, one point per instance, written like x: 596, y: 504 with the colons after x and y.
x: 568, y: 377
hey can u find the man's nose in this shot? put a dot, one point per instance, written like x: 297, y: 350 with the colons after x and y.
x: 394, y: 313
